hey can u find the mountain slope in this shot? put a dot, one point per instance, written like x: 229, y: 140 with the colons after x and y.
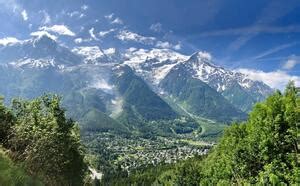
x: 139, y: 100
x: 235, y: 87
x: 197, y: 97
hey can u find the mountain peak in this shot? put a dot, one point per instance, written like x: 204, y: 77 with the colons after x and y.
x: 44, y: 40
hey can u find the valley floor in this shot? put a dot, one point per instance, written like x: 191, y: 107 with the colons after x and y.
x: 130, y: 153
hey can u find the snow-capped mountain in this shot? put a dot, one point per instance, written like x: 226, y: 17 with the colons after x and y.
x: 86, y: 75
x: 235, y: 87
x: 95, y: 55
x: 201, y: 67
x: 38, y: 52
x: 154, y: 65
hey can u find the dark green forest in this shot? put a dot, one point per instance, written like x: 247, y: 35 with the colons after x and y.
x: 41, y: 146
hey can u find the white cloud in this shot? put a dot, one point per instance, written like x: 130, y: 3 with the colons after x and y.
x: 113, y: 20
x: 177, y: 46
x: 204, y: 55
x: 157, y: 27
x: 47, y: 18
x: 162, y: 44
x: 106, y: 32
x: 274, y: 50
x: 91, y: 53
x: 117, y: 21
x: 253, y: 30
x: 110, y: 16
x: 84, y: 7
x: 131, y: 49
x: 126, y: 35
x: 109, y: 51
x: 59, y: 29
x: 291, y: 62
x: 276, y: 79
x: 24, y: 15
x: 78, y: 40
x: 92, y: 34
x: 81, y: 15
x: 74, y: 13
x: 43, y: 33
x: 167, y: 44
x: 81, y: 40
x: 8, y: 40
x: 102, y: 84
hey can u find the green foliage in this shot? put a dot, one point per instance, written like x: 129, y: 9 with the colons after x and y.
x: 263, y: 150
x: 6, y: 122
x: 144, y: 176
x: 45, y: 141
x: 11, y: 174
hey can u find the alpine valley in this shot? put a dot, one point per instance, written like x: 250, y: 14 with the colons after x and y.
x: 164, y: 93
x: 135, y: 107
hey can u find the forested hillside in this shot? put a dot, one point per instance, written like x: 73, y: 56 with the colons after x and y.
x: 262, y: 150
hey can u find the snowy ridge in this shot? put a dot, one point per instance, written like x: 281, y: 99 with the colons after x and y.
x: 35, y: 63
x: 200, y: 66
x: 95, y: 55
x: 91, y: 54
x: 153, y: 64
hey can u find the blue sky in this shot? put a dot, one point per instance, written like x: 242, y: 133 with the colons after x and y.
x: 258, y: 37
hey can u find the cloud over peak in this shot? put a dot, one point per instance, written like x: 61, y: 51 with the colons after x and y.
x: 44, y: 33
x: 126, y: 35
x: 275, y: 79
x: 291, y: 62
x: 58, y: 29
x: 168, y: 45
x: 8, y: 40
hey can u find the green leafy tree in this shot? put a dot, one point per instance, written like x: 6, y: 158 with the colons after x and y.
x: 6, y: 123
x: 264, y: 149
x: 47, y: 141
